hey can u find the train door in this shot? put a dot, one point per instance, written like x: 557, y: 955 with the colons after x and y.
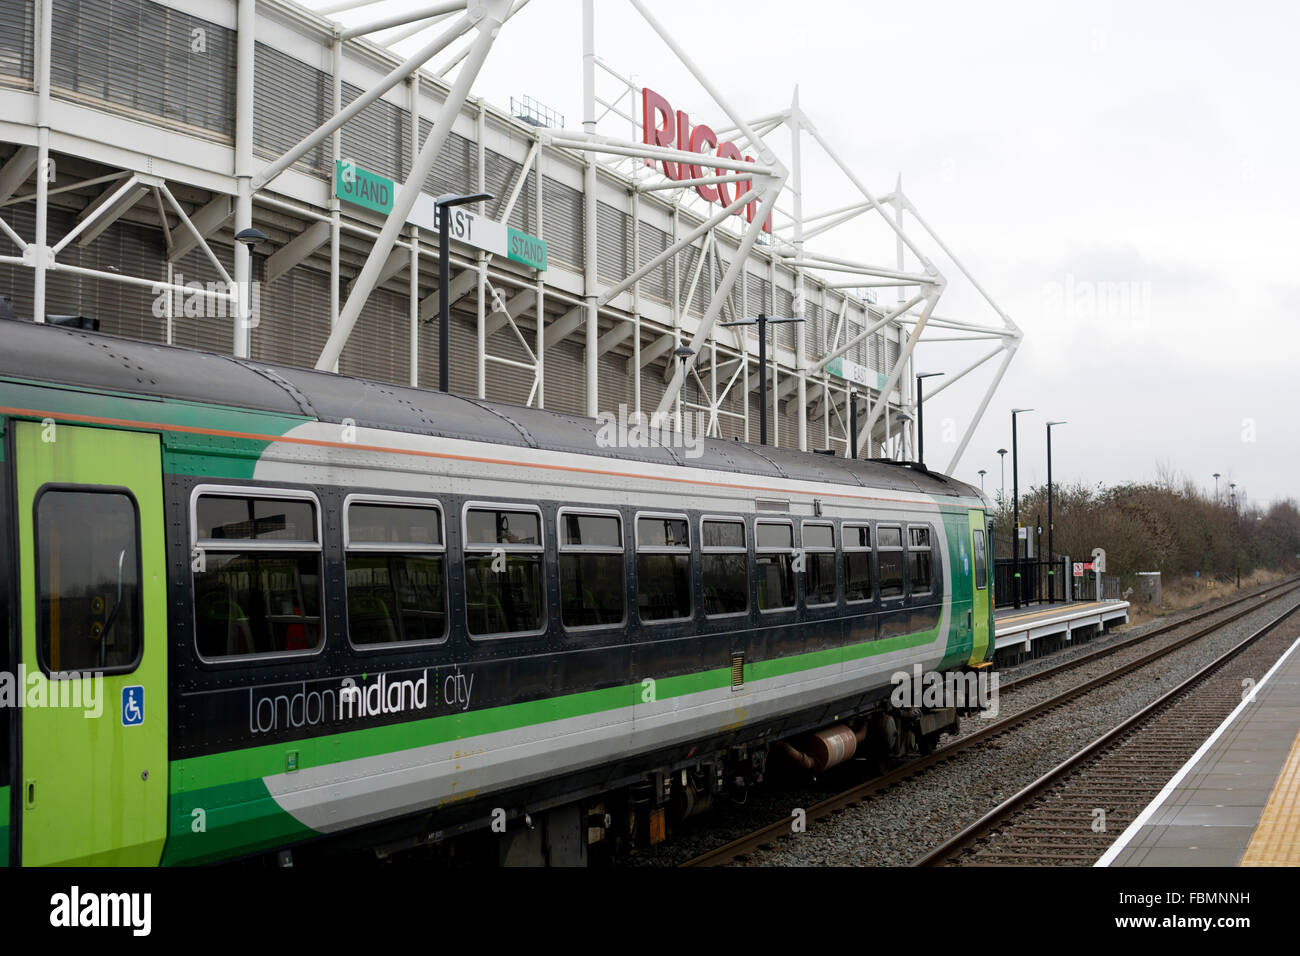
x: 981, y: 606
x: 92, y: 577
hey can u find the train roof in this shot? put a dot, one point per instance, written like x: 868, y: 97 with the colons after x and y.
x: 69, y: 356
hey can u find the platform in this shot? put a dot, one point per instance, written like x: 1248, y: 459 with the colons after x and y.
x: 1025, y: 625
x: 1236, y: 802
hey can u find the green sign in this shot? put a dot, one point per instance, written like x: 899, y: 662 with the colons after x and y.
x: 531, y: 251
x: 853, y: 372
x: 362, y: 187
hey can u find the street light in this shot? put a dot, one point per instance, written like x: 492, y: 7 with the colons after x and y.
x: 920, y: 417
x: 853, y: 424
x: 1015, y: 501
x: 1051, y: 552
x: 982, y: 474
x: 248, y: 238
x: 763, y: 321
x: 1002, y: 495
x: 442, y: 204
x: 1216, y: 487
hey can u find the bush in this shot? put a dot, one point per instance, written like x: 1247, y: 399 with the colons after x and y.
x: 1159, y: 527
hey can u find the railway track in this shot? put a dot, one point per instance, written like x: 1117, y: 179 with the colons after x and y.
x: 1071, y: 814
x: 767, y: 836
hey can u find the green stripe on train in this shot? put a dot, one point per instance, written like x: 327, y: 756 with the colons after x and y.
x: 4, y: 826
x: 239, y: 815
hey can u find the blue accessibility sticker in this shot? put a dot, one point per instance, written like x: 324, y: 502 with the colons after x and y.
x: 132, y: 706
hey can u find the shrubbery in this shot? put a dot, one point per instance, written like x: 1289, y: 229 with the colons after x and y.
x: 1160, y: 527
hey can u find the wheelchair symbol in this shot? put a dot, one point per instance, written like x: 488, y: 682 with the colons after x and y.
x: 132, y: 706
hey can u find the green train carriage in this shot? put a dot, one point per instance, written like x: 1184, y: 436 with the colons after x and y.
x: 340, y: 612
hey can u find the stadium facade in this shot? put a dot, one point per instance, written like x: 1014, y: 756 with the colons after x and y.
x: 137, y: 138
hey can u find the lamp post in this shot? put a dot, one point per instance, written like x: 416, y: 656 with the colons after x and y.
x: 1216, y: 487
x: 853, y: 424
x: 920, y: 417
x: 1051, y: 550
x: 982, y: 474
x: 443, y: 204
x: 248, y: 238
x: 1002, y: 495
x: 763, y: 321
x: 1015, y: 502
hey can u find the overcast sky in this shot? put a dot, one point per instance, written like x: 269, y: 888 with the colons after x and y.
x: 1055, y: 147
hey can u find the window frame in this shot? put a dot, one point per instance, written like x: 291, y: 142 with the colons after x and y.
x: 901, y: 548
x: 688, y: 550
x: 467, y: 548
x: 41, y: 657
x: 810, y: 549
x: 911, y: 549
x: 274, y: 493
x: 791, y: 551
x: 562, y: 548
x: 726, y: 549
x: 981, y: 580
x: 396, y: 547
x: 846, y: 550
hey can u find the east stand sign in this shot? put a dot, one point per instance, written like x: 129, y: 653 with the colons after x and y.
x: 371, y: 191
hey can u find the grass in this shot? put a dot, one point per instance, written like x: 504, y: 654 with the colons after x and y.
x: 1187, y: 592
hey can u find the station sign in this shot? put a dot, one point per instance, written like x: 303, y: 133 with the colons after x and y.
x: 662, y: 127
x: 856, y: 373
x: 377, y: 193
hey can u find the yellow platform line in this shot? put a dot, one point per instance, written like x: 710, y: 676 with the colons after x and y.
x: 1059, y: 609
x: 1276, y: 841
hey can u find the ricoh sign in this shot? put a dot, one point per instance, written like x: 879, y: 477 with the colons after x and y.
x: 661, y: 126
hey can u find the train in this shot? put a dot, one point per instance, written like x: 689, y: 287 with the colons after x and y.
x: 254, y: 611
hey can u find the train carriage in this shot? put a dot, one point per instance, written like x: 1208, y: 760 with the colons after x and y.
x: 252, y: 608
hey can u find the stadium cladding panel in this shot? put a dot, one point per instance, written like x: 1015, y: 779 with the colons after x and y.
x: 350, y: 577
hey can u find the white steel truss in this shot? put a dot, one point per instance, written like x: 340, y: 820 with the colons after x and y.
x: 460, y: 35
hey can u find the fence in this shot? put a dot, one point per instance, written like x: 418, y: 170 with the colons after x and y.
x: 1043, y: 582
x: 1085, y: 588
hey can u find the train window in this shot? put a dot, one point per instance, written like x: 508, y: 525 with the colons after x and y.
x: 504, y: 591
x: 889, y: 554
x: 87, y: 581
x: 857, y: 562
x: 257, y: 577
x: 396, y: 572
x: 592, y: 581
x: 663, y: 568
x: 920, y: 560
x: 819, y: 561
x: 725, y: 567
x: 981, y: 561
x: 774, y: 556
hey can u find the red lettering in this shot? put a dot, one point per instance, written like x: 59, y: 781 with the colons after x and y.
x: 725, y: 196
x: 661, y: 127
x: 685, y: 170
x: 657, y: 127
x: 701, y: 137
